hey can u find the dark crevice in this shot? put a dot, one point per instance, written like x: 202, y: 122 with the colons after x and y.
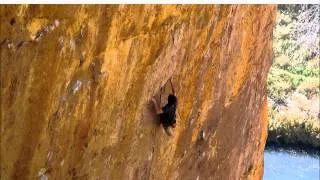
x: 12, y: 21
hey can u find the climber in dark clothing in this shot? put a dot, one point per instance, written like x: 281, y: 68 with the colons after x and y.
x: 167, y: 113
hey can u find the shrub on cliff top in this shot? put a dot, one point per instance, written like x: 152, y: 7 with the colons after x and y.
x: 293, y: 81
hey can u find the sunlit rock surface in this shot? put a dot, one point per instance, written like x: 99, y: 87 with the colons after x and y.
x: 76, y: 84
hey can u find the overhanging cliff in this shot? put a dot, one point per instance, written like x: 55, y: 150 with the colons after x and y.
x: 76, y: 84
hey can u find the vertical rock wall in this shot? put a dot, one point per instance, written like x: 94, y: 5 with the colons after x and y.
x: 76, y: 84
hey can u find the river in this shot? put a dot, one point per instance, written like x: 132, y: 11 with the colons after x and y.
x: 284, y: 164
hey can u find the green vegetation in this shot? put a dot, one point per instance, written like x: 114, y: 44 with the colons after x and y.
x: 293, y: 82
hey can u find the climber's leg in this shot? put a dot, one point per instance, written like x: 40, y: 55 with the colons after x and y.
x: 156, y: 106
x: 173, y: 125
x: 168, y: 130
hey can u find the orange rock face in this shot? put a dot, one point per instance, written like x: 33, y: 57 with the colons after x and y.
x: 76, y: 84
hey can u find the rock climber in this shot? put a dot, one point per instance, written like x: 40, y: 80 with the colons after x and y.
x: 167, y: 113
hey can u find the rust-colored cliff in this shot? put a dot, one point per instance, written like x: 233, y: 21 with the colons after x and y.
x: 76, y: 84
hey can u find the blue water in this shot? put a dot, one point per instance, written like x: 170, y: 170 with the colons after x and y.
x: 290, y: 165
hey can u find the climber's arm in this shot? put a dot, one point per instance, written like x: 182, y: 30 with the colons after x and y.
x: 172, y: 87
x: 156, y: 106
